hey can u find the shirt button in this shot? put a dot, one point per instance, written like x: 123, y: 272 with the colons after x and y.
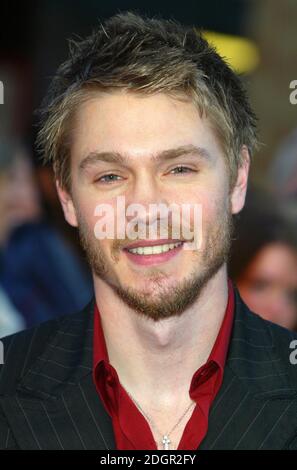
x: 109, y: 380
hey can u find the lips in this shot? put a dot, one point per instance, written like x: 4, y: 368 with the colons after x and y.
x: 143, y: 243
x: 154, y: 258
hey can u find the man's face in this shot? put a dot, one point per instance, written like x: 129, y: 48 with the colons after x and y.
x: 139, y: 127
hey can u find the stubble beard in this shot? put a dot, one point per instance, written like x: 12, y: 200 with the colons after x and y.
x: 164, y: 300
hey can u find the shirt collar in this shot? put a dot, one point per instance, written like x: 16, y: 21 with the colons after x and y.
x: 217, y: 355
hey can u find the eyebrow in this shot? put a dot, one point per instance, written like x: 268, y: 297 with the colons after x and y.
x: 115, y: 157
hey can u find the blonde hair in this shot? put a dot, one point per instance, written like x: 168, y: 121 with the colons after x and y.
x: 145, y: 55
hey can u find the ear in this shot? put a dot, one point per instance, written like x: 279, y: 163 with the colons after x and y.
x: 67, y: 205
x: 239, y: 190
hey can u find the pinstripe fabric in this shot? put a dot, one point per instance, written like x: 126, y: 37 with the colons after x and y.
x: 48, y: 399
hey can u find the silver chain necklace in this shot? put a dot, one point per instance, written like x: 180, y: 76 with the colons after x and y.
x: 165, y: 437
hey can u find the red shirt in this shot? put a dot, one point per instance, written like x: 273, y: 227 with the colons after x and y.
x: 131, y: 428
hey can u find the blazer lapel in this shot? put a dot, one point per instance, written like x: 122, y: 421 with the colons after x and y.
x: 57, y: 405
x: 252, y: 407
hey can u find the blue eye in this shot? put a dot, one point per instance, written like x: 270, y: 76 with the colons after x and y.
x: 107, y: 176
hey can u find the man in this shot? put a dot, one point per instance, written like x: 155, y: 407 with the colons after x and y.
x: 167, y: 356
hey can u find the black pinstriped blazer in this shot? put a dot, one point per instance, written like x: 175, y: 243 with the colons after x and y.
x: 48, y: 399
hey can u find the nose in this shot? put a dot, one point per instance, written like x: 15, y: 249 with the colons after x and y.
x: 147, y: 205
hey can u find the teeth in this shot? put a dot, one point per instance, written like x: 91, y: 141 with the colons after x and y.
x: 154, y: 250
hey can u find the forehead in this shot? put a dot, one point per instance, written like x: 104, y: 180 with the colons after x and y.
x: 137, y: 125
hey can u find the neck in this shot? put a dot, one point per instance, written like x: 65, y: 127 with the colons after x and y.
x: 158, y: 359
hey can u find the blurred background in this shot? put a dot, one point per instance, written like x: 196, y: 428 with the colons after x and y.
x: 43, y: 272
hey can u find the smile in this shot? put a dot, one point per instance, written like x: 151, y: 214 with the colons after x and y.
x: 154, y: 250
x: 151, y: 255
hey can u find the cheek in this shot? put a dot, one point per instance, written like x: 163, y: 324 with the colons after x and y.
x: 91, y: 210
x: 213, y: 208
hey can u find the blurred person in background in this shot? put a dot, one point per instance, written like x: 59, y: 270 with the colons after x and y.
x: 11, y: 320
x: 263, y: 260
x: 39, y: 271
